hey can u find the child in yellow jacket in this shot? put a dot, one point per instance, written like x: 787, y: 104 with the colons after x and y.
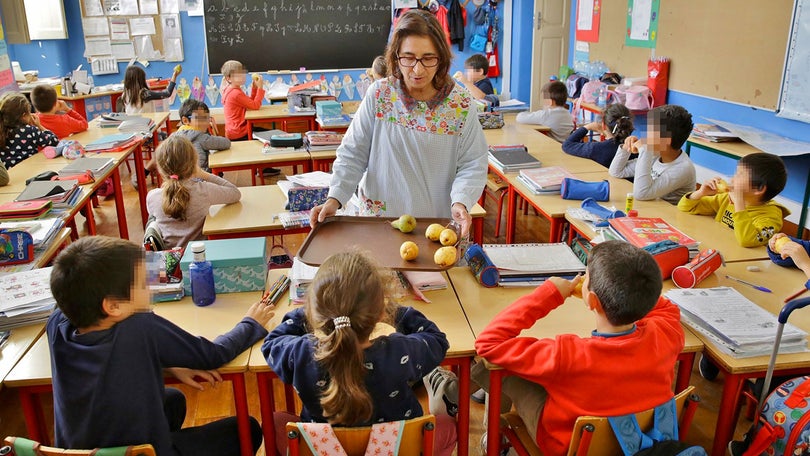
x: 746, y: 205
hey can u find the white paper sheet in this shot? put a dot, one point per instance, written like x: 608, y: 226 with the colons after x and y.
x: 119, y: 29
x: 642, y: 14
x: 144, y: 49
x: 149, y: 7
x: 585, y: 15
x: 104, y: 65
x: 93, y: 8
x: 169, y: 6
x: 766, y: 141
x: 123, y: 50
x: 129, y: 7
x: 173, y: 49
x: 95, y: 26
x: 142, y: 26
x: 170, y: 25
x: 194, y: 7
x: 97, y: 46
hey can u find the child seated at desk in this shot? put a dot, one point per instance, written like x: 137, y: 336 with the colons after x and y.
x: 746, y: 205
x: 661, y: 170
x: 344, y: 376
x: 555, y: 114
x: 557, y: 380
x: 21, y: 134
x: 616, y: 125
x: 54, y: 114
x: 476, y: 81
x: 109, y: 353
x: 197, y: 120
x: 177, y: 210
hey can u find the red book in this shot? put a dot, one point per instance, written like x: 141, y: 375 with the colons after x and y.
x: 24, y: 209
x: 545, y: 179
x: 643, y: 231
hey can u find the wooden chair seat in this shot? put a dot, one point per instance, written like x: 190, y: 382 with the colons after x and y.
x: 25, y: 447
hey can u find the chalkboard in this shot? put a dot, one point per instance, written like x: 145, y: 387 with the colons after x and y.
x: 288, y: 35
x: 794, y: 102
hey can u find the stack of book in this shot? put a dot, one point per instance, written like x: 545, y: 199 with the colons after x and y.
x: 24, y: 210
x: 26, y: 298
x: 532, y: 264
x: 137, y: 125
x: 322, y: 140
x: 713, y: 133
x: 643, y: 231
x: 112, y: 119
x: 510, y: 158
x: 42, y: 231
x: 733, y: 323
x: 340, y: 121
x: 62, y: 194
x: 97, y: 166
x: 111, y: 143
x: 544, y: 180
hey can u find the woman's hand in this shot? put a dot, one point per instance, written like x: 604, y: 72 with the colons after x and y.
x: 319, y: 213
x: 187, y: 377
x: 462, y: 217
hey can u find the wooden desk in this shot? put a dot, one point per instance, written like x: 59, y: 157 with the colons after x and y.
x: 79, y: 102
x: 17, y: 345
x: 444, y: 310
x: 278, y: 113
x: 482, y: 304
x: 256, y: 214
x: 249, y: 155
x: 32, y: 375
x: 783, y: 282
x: 739, y: 149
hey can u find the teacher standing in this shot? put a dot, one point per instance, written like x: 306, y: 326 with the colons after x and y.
x: 415, y: 145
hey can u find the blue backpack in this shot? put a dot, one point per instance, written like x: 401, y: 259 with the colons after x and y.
x: 661, y: 440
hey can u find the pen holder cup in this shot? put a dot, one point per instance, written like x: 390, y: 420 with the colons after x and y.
x: 691, y: 274
x: 279, y: 261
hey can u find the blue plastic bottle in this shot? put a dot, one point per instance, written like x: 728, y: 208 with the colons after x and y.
x: 202, y: 277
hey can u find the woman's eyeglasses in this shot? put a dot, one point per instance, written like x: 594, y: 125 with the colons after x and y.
x: 427, y: 62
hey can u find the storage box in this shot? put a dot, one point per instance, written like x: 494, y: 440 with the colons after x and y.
x: 239, y: 264
x: 328, y: 108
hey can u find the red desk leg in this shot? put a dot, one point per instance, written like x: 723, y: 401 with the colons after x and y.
x: 510, y: 215
x: 141, y: 176
x: 555, y: 229
x: 478, y: 230
x: 267, y: 404
x: 120, y: 210
x: 463, y: 416
x: 32, y: 412
x: 91, y: 220
x: 242, y: 412
x: 685, y: 363
x: 724, y: 432
x: 250, y: 130
x: 494, y: 412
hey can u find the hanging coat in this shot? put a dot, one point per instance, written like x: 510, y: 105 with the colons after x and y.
x: 455, y: 19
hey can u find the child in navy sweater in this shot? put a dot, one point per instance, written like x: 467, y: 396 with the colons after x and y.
x: 616, y: 125
x: 109, y: 353
x: 342, y: 375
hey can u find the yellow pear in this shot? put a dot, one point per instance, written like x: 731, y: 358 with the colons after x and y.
x: 409, y: 250
x: 433, y: 231
x: 448, y: 237
x: 779, y: 243
x: 577, y: 291
x: 405, y: 223
x: 178, y: 68
x: 721, y: 185
x: 445, y: 256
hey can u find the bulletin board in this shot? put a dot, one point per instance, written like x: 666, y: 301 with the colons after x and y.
x: 795, y: 101
x: 123, y: 19
x: 733, y: 51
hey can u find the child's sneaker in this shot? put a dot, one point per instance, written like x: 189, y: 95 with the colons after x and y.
x: 442, y: 388
x: 707, y: 369
x: 479, y: 396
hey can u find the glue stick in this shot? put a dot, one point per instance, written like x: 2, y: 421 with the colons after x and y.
x: 628, y: 203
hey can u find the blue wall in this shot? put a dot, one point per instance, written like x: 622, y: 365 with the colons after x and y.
x: 58, y: 57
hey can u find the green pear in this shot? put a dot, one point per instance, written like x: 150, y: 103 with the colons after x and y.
x: 405, y: 223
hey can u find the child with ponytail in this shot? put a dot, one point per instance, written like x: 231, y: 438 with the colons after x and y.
x: 21, y: 134
x: 344, y: 375
x: 616, y: 125
x: 179, y: 207
x: 137, y: 96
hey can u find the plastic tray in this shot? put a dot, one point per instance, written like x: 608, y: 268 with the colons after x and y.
x: 374, y: 235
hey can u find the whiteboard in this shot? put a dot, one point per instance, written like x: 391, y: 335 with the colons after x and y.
x: 794, y: 99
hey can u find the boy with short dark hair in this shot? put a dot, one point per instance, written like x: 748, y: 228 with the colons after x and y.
x: 109, y: 353
x: 747, y: 205
x: 197, y: 120
x: 54, y: 114
x: 555, y: 113
x: 613, y: 372
x: 661, y: 170
x: 476, y: 81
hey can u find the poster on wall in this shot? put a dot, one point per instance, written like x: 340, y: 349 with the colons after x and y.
x: 7, y: 82
x: 589, y: 13
x: 642, y: 23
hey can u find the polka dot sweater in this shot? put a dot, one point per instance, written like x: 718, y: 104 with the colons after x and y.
x: 25, y: 142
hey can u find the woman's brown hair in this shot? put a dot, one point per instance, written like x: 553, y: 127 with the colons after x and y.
x: 347, y: 284
x: 177, y: 162
x: 14, y: 107
x: 420, y: 23
x: 134, y: 85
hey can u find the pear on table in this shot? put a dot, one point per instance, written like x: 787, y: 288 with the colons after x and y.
x: 405, y: 223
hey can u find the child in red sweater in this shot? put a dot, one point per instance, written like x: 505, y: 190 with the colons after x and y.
x: 55, y: 114
x: 625, y: 366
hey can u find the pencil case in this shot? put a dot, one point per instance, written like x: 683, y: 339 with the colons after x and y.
x: 481, y: 266
x: 83, y: 178
x: 287, y: 140
x: 590, y: 205
x: 16, y: 246
x: 305, y: 198
x: 689, y: 275
x: 669, y: 255
x: 575, y: 189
